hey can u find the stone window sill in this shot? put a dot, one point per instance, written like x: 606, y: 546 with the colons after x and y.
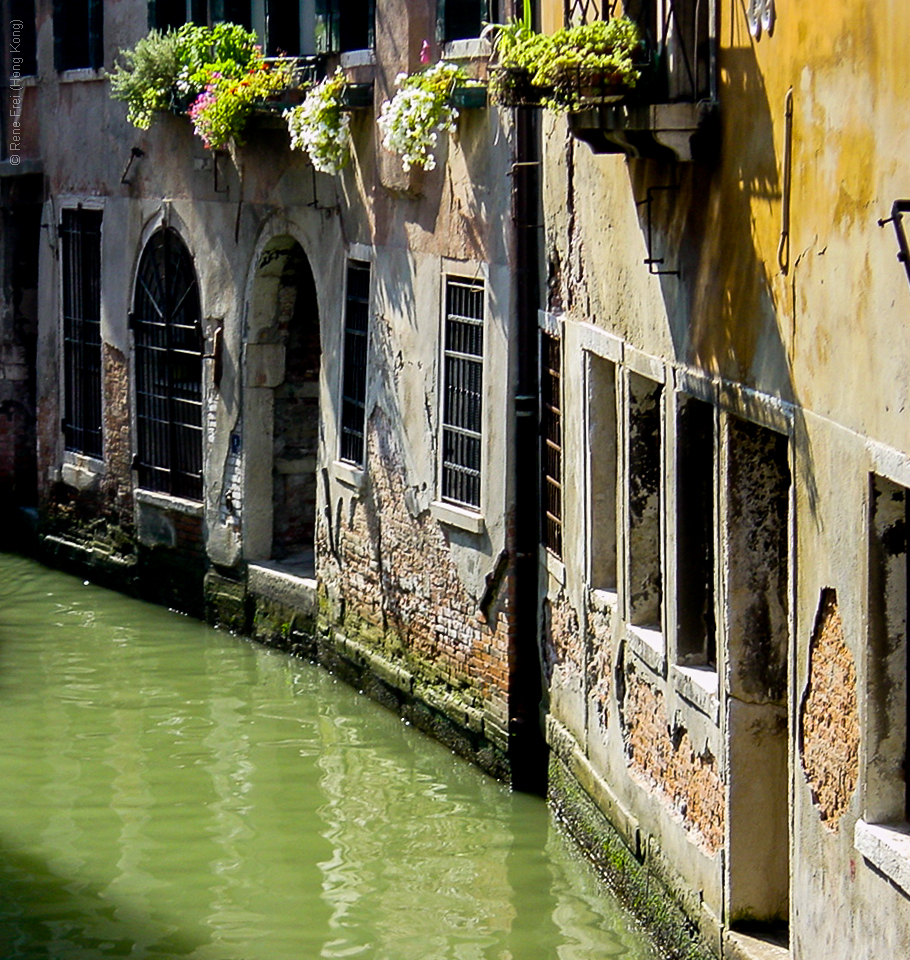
x: 453, y: 516
x: 83, y: 75
x: 348, y: 473
x: 476, y: 48
x: 164, y: 501
x: 698, y: 685
x: 604, y: 601
x: 887, y: 848
x: 553, y: 565
x: 648, y: 645
x: 358, y: 58
x: 80, y: 471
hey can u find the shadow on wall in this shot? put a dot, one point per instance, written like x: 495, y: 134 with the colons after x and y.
x: 725, y: 313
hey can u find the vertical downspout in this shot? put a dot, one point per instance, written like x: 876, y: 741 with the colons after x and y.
x: 527, y: 746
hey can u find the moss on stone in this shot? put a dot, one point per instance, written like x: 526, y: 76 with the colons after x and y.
x: 629, y: 876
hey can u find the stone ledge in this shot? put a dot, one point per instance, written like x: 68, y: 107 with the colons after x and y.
x: 741, y: 946
x: 887, y: 848
x: 271, y: 582
x: 636, y: 879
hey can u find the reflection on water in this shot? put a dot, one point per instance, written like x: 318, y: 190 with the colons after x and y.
x: 171, y: 791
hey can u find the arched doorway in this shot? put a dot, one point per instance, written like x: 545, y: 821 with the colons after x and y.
x: 282, y: 404
x: 168, y: 346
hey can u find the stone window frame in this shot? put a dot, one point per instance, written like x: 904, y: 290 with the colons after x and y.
x: 694, y: 670
x: 552, y: 523
x: 597, y: 345
x: 345, y: 471
x: 82, y: 449
x: 882, y: 834
x: 78, y: 469
x: 165, y: 220
x: 700, y: 685
x: 468, y: 519
x: 648, y: 641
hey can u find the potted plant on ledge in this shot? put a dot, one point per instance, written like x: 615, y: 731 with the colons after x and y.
x: 569, y: 70
x: 217, y: 75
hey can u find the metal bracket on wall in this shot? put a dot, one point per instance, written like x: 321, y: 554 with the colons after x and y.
x: 898, y: 209
x: 652, y: 261
x: 135, y: 154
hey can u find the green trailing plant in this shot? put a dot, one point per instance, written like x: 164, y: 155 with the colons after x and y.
x: 421, y: 109
x: 146, y: 76
x: 221, y: 66
x: 559, y: 68
x: 220, y: 112
x: 319, y: 126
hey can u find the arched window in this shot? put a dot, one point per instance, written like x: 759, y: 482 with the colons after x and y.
x: 168, y: 348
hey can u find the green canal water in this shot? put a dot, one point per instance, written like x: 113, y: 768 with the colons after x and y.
x: 168, y: 790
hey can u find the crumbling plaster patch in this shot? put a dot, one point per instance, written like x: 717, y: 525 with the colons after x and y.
x: 829, y: 719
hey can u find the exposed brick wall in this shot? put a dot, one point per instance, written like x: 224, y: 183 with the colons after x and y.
x: 562, y: 639
x: 117, y: 447
x: 669, y: 763
x: 829, y: 719
x: 400, y: 591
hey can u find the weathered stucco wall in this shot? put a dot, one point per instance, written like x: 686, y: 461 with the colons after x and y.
x: 799, y: 343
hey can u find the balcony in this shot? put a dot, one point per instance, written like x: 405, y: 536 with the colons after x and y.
x: 672, y: 114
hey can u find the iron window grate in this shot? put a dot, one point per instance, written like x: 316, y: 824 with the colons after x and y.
x: 354, y: 375
x: 80, y: 233
x: 168, y: 351
x: 463, y: 392
x: 551, y: 442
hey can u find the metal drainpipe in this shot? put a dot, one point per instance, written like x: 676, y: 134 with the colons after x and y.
x: 527, y: 746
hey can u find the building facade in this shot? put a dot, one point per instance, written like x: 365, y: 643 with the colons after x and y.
x: 585, y: 450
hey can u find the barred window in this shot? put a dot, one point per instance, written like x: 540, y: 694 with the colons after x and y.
x: 80, y: 234
x: 168, y: 348
x: 462, y: 391
x: 551, y: 442
x: 354, y: 383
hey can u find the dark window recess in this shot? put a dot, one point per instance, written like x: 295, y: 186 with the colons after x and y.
x: 232, y: 11
x: 80, y: 234
x: 168, y: 353
x: 696, y: 641
x: 645, y: 569
x: 462, y: 19
x: 343, y: 25
x: 167, y: 14
x: 551, y: 443
x: 20, y: 40
x: 354, y: 385
x: 282, y: 28
x: 889, y: 660
x: 463, y: 392
x: 677, y: 56
x: 78, y: 34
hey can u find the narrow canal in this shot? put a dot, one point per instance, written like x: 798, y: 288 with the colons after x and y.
x: 168, y: 790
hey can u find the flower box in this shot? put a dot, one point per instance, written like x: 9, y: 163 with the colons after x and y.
x: 512, y: 87
x: 469, y: 96
x: 357, y: 96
